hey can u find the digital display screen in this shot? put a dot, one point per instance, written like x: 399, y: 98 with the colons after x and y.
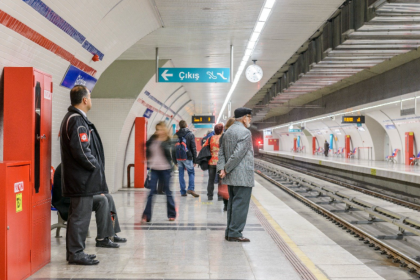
x: 353, y: 119
x: 203, y: 119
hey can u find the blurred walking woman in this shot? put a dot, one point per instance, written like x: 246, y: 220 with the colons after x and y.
x: 214, y: 149
x: 158, y: 153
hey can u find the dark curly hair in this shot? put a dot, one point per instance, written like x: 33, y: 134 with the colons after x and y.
x: 218, y: 129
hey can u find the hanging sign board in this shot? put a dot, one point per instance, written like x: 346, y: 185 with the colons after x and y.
x: 353, y: 119
x: 203, y: 119
x: 75, y: 76
x: 194, y: 75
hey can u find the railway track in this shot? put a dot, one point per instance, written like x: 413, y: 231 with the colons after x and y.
x: 302, y: 170
x: 408, y: 228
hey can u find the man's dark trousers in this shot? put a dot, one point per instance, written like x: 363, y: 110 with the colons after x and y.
x: 104, y: 207
x: 80, y: 213
x: 237, y: 212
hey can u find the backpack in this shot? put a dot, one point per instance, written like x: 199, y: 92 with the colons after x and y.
x: 181, y: 149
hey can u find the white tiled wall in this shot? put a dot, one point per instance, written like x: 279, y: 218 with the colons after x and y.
x: 109, y: 115
x: 125, y: 153
x: 112, y: 26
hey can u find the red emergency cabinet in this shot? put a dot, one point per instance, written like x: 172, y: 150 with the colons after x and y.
x: 27, y: 137
x: 15, y: 221
x: 274, y: 143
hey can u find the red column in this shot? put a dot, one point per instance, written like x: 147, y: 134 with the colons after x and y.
x: 294, y: 144
x: 347, y: 146
x: 313, y: 145
x: 409, y: 144
x: 140, y: 163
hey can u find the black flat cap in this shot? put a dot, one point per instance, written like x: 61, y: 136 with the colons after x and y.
x: 240, y: 112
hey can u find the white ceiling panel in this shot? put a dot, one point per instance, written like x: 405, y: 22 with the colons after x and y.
x: 198, y: 34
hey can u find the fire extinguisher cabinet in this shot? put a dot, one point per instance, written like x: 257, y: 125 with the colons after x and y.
x: 15, y: 223
x: 27, y: 137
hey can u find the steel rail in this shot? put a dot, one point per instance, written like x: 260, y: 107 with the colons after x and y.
x: 404, y: 223
x: 395, y: 200
x: 393, y: 253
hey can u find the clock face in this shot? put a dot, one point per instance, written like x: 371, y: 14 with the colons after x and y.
x: 254, y: 73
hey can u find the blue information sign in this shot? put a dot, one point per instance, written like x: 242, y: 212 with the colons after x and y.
x: 75, y: 76
x: 194, y: 75
x: 294, y: 130
x: 148, y: 113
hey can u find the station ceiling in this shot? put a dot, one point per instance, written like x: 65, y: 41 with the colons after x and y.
x: 199, y: 34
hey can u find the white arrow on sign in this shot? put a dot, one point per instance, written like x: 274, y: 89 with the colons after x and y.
x: 165, y: 75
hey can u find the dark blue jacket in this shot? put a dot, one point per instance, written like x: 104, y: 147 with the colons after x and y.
x: 190, y: 138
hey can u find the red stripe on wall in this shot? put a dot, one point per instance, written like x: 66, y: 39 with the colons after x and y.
x: 27, y: 32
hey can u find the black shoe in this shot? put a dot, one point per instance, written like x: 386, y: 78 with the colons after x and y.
x: 226, y: 238
x: 209, y: 198
x: 184, y: 194
x: 85, y: 260
x: 119, y: 239
x: 225, y: 208
x: 106, y: 243
x: 238, y: 239
x: 91, y: 256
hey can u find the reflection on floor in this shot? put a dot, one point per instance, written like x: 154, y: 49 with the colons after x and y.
x: 192, y: 247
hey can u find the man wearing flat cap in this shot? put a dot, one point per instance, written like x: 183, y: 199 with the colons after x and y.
x: 236, y: 167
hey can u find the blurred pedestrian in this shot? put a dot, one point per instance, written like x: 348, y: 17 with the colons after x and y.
x: 326, y: 148
x: 236, y: 167
x: 185, y: 158
x: 209, y: 134
x: 159, y: 154
x: 223, y: 189
x: 213, y: 142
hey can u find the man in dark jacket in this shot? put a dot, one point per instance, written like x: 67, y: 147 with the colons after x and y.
x: 326, y: 148
x: 188, y: 164
x: 83, y: 172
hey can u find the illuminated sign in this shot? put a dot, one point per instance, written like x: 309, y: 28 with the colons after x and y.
x: 203, y: 119
x: 353, y: 119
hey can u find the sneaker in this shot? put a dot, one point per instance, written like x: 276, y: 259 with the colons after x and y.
x: 193, y: 193
x: 184, y: 194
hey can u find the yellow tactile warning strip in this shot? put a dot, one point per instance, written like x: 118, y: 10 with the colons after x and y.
x: 303, y: 265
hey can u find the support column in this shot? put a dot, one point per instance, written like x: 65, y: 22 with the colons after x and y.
x: 409, y: 145
x: 347, y: 146
x: 313, y: 145
x: 140, y: 162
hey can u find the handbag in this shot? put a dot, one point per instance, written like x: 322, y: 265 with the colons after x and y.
x: 203, y: 158
x: 146, y: 183
x: 223, y: 190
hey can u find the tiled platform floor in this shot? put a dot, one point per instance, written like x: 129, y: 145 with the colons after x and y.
x: 193, y: 247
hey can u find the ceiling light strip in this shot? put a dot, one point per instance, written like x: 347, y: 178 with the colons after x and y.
x: 340, y: 114
x: 259, y: 26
